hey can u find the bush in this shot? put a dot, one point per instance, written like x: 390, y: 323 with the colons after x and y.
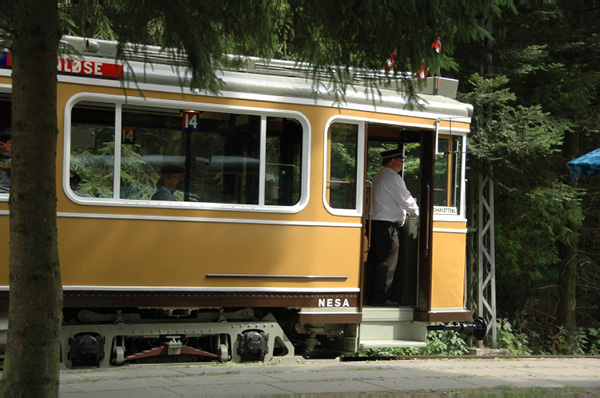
x: 439, y: 342
x: 446, y: 342
x: 516, y: 342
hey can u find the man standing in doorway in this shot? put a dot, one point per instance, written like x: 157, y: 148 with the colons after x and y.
x: 391, y: 203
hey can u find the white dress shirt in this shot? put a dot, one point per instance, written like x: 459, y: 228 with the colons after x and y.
x: 391, y: 198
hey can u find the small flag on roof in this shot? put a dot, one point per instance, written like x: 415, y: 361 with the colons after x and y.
x: 437, y: 45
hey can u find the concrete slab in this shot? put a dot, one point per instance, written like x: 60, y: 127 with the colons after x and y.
x: 229, y: 390
x: 140, y: 393
x: 128, y: 384
x: 210, y: 380
x: 330, y: 387
x: 423, y: 384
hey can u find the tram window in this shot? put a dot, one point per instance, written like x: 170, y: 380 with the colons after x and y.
x: 448, y: 170
x: 92, y: 149
x: 149, y: 141
x: 341, y: 181
x: 412, y: 169
x: 283, y: 162
x: 217, y: 161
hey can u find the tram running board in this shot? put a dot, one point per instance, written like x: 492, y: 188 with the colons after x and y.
x: 391, y: 327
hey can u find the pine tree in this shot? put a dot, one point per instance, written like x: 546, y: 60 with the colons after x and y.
x: 546, y: 226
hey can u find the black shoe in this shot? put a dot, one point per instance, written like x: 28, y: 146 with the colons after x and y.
x: 386, y: 303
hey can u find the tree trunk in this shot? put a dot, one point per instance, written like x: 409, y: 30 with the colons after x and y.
x: 31, y: 367
x: 567, y: 283
x: 567, y: 287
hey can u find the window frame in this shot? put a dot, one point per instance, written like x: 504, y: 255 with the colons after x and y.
x: 120, y: 101
x: 361, y: 122
x: 360, y: 165
x: 461, y: 207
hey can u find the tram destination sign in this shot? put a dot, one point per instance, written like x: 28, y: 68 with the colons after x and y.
x: 75, y: 66
x: 445, y: 210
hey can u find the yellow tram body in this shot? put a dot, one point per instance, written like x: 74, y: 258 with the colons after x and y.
x: 302, y: 260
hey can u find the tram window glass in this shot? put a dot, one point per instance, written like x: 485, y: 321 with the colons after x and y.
x: 412, y: 169
x: 92, y: 149
x: 283, y: 161
x: 448, y: 173
x: 341, y: 181
x: 218, y: 161
x: 149, y: 141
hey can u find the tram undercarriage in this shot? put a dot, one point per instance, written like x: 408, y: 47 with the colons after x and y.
x: 100, y: 339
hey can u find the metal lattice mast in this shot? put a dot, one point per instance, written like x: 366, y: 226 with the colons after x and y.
x: 482, y: 259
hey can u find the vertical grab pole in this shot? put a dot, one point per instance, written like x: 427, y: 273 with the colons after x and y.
x: 426, y: 225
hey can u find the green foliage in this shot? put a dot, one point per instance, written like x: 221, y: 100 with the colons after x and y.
x: 511, y: 139
x: 439, y: 342
x: 535, y: 209
x: 343, y: 39
x: 593, y: 341
x: 340, y: 39
x: 528, y: 229
x: 518, y: 341
x: 196, y: 36
x: 544, y: 63
x: 514, y: 341
x: 563, y: 342
x: 86, y: 18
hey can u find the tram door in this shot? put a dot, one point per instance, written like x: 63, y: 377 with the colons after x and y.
x: 380, y: 138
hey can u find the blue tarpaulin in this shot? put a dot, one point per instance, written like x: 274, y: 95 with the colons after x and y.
x: 588, y: 165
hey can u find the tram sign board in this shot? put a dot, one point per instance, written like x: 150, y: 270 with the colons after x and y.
x: 445, y: 210
x: 76, y: 66
x: 6, y: 59
x: 191, y: 121
x: 89, y: 68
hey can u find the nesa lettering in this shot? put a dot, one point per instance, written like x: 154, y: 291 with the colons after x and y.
x: 334, y: 302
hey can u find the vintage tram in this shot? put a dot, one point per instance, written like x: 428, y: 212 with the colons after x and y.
x: 259, y: 253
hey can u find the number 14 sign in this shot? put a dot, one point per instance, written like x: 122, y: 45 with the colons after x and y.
x: 191, y: 121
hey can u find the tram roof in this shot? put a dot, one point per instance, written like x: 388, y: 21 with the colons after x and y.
x: 285, y: 80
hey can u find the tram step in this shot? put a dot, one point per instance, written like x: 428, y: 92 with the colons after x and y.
x: 391, y: 327
x: 390, y: 343
x: 387, y: 314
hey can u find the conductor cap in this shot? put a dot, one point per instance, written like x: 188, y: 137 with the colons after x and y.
x: 394, y: 153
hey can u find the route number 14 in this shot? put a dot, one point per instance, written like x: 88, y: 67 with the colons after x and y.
x: 191, y: 121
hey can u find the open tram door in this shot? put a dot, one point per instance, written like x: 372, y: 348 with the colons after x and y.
x: 386, y: 327
x: 414, y: 263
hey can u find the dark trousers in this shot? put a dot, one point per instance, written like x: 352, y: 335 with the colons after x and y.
x: 382, y: 260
